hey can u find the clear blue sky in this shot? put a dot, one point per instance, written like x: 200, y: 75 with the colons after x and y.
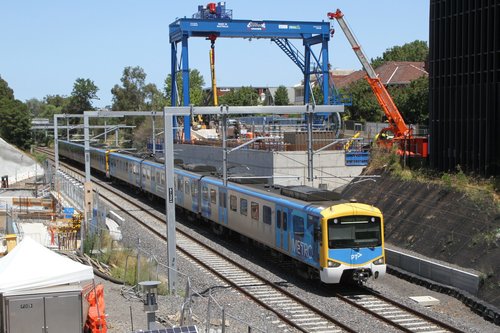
x: 46, y: 45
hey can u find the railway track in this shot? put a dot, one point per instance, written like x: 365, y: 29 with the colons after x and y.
x: 398, y: 315
x: 290, y: 309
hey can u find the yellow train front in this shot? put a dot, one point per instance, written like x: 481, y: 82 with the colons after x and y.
x: 352, y: 243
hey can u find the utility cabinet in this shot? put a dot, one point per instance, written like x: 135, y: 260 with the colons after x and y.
x: 49, y: 310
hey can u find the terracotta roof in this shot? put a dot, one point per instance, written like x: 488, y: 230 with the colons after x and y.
x: 392, y: 72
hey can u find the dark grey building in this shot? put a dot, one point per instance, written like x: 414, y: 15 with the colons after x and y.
x: 464, y: 71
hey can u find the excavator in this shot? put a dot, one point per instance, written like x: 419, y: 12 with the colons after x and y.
x: 398, y: 132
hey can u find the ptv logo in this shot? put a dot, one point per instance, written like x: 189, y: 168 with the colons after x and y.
x: 355, y: 256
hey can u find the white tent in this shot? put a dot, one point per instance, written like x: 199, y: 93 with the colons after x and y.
x: 32, y: 266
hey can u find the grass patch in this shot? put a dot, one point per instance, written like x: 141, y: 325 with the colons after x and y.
x: 124, y: 262
x: 480, y: 190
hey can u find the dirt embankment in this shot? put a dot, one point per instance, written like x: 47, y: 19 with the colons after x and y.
x: 439, y: 223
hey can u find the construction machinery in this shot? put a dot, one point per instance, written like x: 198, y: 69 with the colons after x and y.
x: 398, y: 132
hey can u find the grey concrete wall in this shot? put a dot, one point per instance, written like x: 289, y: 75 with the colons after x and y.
x: 259, y: 163
x: 288, y: 168
x: 328, y: 168
x: 433, y: 271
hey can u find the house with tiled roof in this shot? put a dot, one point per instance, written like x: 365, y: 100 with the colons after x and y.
x: 390, y: 73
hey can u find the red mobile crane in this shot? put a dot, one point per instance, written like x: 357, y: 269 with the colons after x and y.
x: 403, y: 135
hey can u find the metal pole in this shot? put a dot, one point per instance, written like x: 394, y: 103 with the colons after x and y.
x: 105, y: 131
x: 310, y: 152
x: 223, y: 320
x: 307, y: 74
x: 168, y: 154
x: 56, y: 146
x: 67, y: 129
x: 173, y: 89
x: 185, y: 87
x: 88, y: 184
x: 154, y: 136
x: 224, y: 148
x: 116, y: 137
x: 325, y: 72
x: 208, y: 309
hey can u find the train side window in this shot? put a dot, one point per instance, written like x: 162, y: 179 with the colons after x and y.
x: 163, y: 178
x: 213, y: 196
x: 285, y: 221
x: 298, y: 225
x: 186, y: 187
x: 244, y: 207
x: 233, y: 203
x: 311, y: 222
x: 153, y: 176
x: 204, y: 191
x: 254, y: 210
x: 266, y: 214
x: 279, y: 217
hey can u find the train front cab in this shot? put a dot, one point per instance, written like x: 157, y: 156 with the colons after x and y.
x: 352, y: 246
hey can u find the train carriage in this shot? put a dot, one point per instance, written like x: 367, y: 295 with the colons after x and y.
x: 328, y: 238
x: 125, y: 168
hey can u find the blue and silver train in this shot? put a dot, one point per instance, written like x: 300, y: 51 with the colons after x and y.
x: 327, y: 238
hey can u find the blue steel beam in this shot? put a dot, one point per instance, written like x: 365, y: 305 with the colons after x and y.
x: 249, y: 29
x: 311, y: 33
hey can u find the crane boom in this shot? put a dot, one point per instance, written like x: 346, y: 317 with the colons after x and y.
x: 396, y: 121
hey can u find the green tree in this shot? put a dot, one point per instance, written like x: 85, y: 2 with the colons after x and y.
x: 56, y: 100
x: 131, y: 95
x: 5, y: 90
x: 364, y: 103
x: 16, y: 122
x: 414, y: 51
x: 15, y: 118
x: 281, y: 96
x: 196, y: 83
x: 318, y: 95
x: 42, y: 109
x: 415, y: 108
x: 411, y: 101
x: 244, y: 96
x: 84, y: 91
x: 155, y: 99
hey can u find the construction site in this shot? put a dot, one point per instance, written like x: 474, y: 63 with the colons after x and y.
x: 272, y: 189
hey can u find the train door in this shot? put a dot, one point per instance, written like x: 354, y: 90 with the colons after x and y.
x: 282, y: 214
x: 313, y: 234
x: 223, y: 205
x: 303, y: 235
x: 136, y: 171
x: 206, y: 208
x: 179, y: 190
x: 195, y: 196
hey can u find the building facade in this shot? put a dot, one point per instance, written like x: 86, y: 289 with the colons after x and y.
x: 464, y: 71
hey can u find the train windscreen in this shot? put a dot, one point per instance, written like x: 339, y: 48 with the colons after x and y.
x: 354, y: 231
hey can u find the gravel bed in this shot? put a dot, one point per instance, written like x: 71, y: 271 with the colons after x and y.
x: 119, y: 307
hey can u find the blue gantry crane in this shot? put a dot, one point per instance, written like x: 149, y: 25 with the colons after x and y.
x: 216, y: 21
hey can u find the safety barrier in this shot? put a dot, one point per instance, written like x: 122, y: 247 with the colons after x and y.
x: 357, y: 158
x: 96, y: 318
x: 433, y: 271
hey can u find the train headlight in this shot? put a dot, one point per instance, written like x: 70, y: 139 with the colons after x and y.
x: 379, y: 261
x: 333, y: 264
